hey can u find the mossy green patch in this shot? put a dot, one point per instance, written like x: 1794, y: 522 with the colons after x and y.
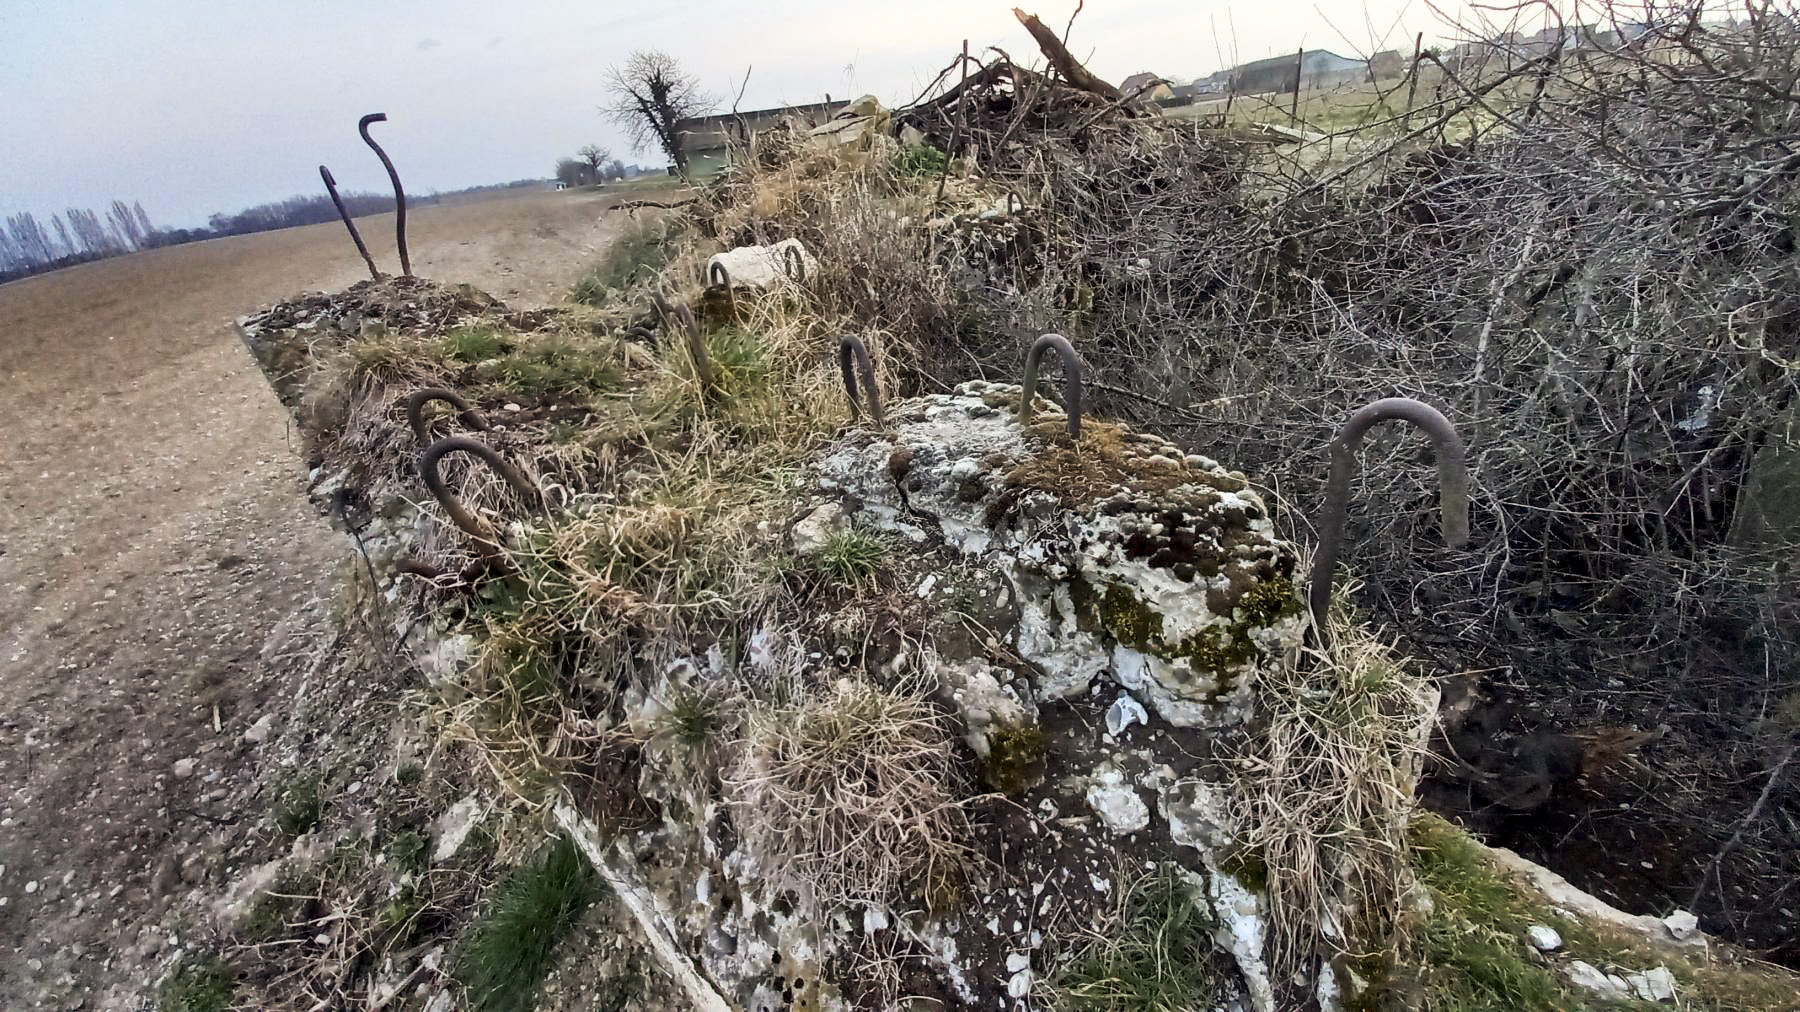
x: 198, y: 984
x: 1220, y: 651
x: 1016, y: 758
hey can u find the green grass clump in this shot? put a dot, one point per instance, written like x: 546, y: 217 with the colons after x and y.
x: 558, y: 365
x: 198, y: 984
x: 300, y: 805
x: 1476, y: 955
x: 851, y: 556
x: 638, y: 253
x: 1158, y: 961
x: 920, y: 160
x: 474, y: 344
x: 740, y: 363
x: 693, y: 717
x: 509, y: 952
x: 408, y: 849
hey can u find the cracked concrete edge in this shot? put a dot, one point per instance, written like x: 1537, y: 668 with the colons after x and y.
x: 1560, y: 892
x: 619, y: 874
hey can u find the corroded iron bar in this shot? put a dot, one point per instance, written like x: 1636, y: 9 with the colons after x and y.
x: 487, y: 542
x: 1453, y: 486
x: 344, y: 213
x: 415, y: 410
x: 362, y: 127
x: 413, y: 567
x: 677, y: 317
x: 850, y: 345
x: 1071, y: 380
x: 719, y: 277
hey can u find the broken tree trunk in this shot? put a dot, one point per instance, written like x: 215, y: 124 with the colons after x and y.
x: 1059, y: 57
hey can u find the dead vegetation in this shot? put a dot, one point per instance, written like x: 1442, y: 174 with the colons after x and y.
x: 1583, y: 255
x: 1598, y: 293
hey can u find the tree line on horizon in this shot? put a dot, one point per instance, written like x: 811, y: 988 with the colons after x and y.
x: 79, y: 235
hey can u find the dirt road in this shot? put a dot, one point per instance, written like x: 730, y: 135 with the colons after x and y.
x: 157, y: 553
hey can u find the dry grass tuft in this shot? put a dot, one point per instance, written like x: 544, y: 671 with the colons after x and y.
x: 849, y: 794
x: 1323, y: 792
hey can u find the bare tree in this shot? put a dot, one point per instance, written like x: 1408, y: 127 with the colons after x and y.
x: 595, y: 158
x: 125, y: 224
x: 651, y: 94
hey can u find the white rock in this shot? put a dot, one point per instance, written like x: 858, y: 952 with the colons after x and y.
x: 1590, y: 978
x: 1117, y: 804
x: 1543, y: 938
x: 813, y: 530
x: 260, y: 731
x: 874, y: 919
x: 1020, y: 984
x: 184, y: 768
x: 1016, y: 961
x: 31, y: 887
x: 1125, y: 712
x: 1653, y: 985
x: 453, y: 826
x: 1682, y: 925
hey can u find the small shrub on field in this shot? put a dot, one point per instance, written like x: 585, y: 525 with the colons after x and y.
x: 694, y: 718
x: 636, y: 255
x: 408, y: 850
x: 1156, y: 956
x: 852, y: 557
x: 558, y: 365
x: 920, y: 160
x: 852, y: 794
x: 474, y: 344
x: 301, y: 804
x: 198, y: 984
x: 508, y: 954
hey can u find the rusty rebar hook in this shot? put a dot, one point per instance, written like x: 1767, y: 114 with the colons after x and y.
x: 487, y: 542
x: 415, y: 410
x: 1453, y: 486
x: 850, y: 345
x: 1071, y: 380
x: 678, y: 317
x: 362, y: 127
x: 344, y: 213
x: 719, y: 277
x: 793, y: 264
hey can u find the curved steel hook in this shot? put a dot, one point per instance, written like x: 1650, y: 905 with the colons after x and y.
x: 487, y: 542
x: 362, y: 127
x: 344, y: 213
x: 415, y: 410
x: 1453, y: 486
x: 793, y: 264
x: 850, y: 345
x: 1071, y: 380
x: 719, y: 277
x: 678, y: 317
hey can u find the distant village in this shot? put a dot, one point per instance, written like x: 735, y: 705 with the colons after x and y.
x: 707, y: 140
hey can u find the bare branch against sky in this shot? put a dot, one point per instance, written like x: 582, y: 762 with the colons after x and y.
x: 194, y: 107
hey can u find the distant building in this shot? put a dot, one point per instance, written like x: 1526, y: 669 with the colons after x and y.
x: 1147, y: 86
x: 707, y: 140
x: 1318, y: 69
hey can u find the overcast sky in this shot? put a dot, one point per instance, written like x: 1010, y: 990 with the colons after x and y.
x: 197, y: 106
